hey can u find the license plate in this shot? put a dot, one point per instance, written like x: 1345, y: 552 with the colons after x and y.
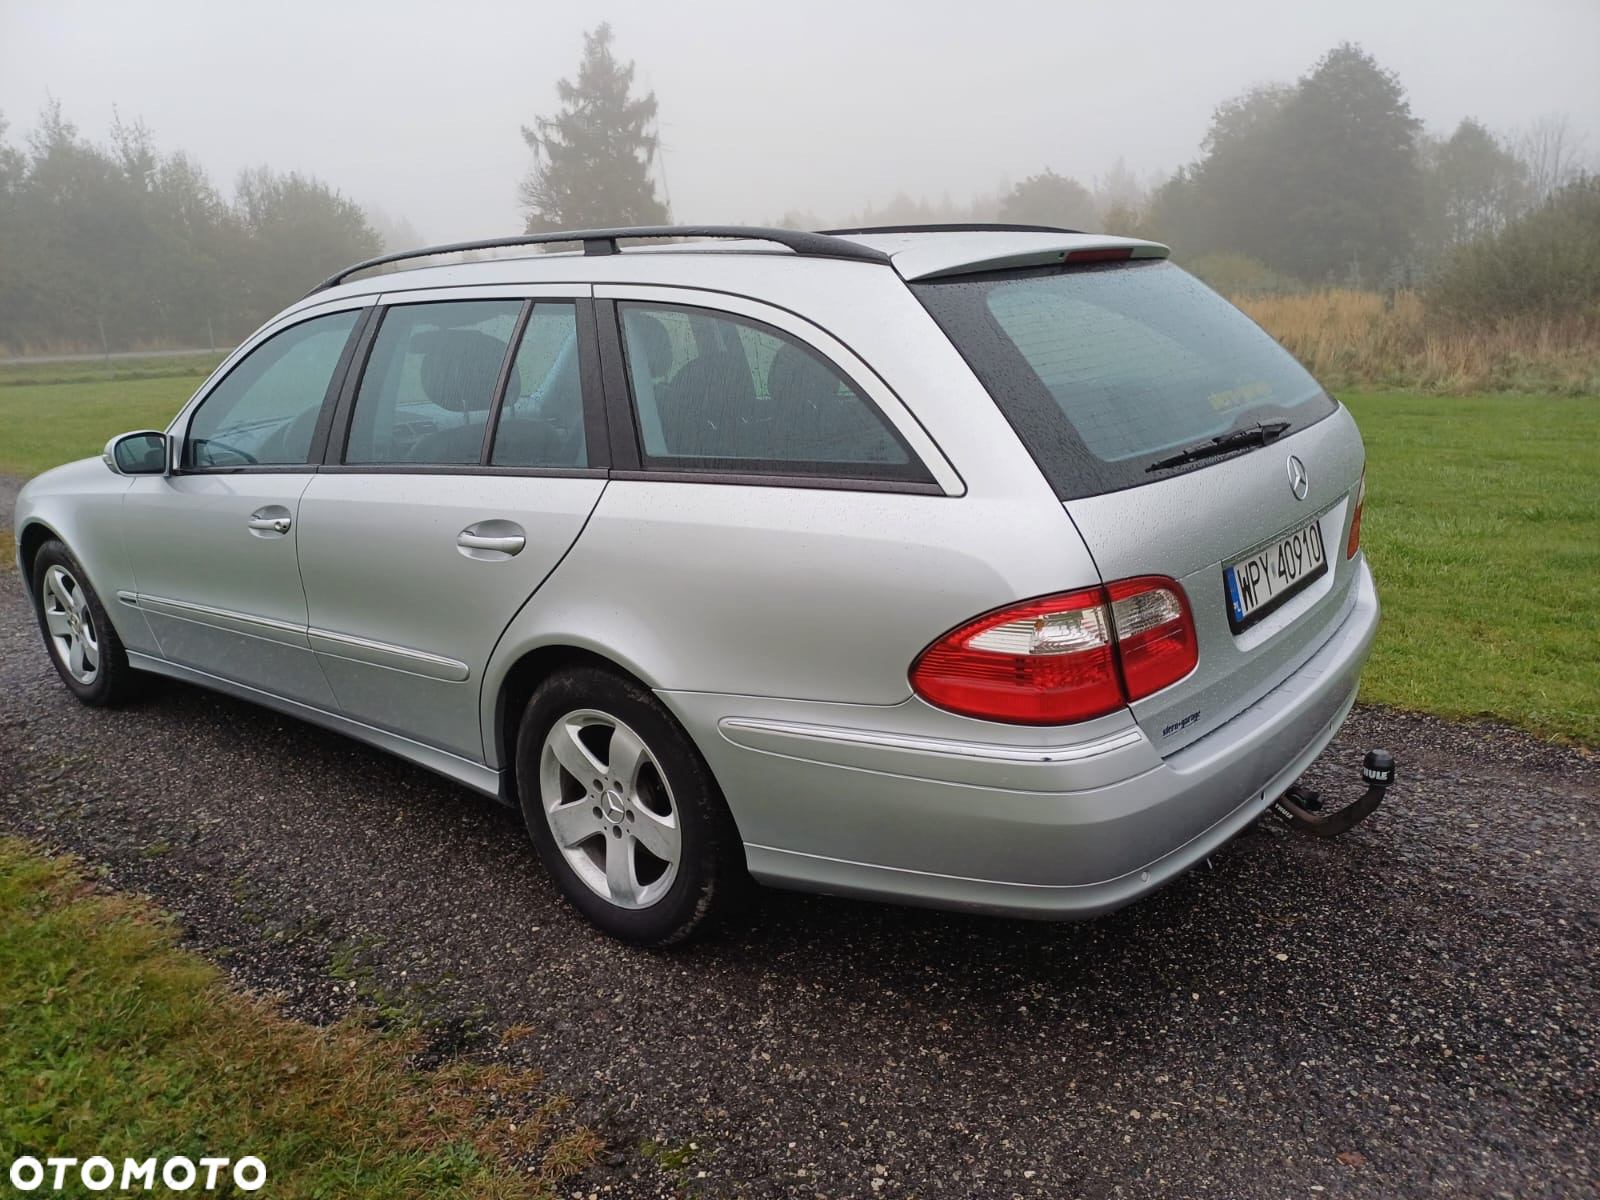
x: 1265, y: 578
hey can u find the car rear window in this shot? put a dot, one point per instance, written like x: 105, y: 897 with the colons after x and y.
x: 1103, y: 370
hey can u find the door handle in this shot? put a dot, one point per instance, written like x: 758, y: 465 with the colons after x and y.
x: 489, y: 541
x: 509, y: 544
x: 268, y: 520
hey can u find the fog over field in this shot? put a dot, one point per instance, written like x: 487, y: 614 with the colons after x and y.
x: 415, y: 109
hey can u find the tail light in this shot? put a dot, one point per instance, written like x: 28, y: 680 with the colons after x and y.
x: 1354, y: 542
x: 1155, y: 633
x: 1063, y: 658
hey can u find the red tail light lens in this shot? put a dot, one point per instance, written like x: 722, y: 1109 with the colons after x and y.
x: 1045, y: 662
x: 1063, y: 658
x: 1155, y: 633
x: 1354, y: 542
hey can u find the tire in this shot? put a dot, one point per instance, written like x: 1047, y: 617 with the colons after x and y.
x: 636, y: 832
x: 79, y: 636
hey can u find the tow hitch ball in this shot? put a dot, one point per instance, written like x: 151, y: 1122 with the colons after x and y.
x: 1302, y: 808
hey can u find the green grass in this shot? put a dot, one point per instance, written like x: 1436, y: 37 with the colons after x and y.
x: 1483, y: 529
x: 118, y: 1044
x: 47, y: 424
x: 107, y: 370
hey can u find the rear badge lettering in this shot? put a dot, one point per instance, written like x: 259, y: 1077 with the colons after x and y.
x: 1183, y: 724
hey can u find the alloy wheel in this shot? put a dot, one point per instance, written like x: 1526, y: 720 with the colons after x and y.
x: 70, y: 624
x: 609, y: 808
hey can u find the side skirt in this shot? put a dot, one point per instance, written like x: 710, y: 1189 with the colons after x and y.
x: 474, y: 775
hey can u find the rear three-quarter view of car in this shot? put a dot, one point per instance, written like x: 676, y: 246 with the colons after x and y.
x: 1002, y: 569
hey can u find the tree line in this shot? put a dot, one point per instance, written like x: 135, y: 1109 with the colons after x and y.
x: 1330, y: 180
x: 118, y: 246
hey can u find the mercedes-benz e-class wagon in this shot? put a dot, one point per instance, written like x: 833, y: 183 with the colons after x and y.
x: 993, y: 568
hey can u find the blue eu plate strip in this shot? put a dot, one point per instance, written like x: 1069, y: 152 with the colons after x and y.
x: 1233, y: 595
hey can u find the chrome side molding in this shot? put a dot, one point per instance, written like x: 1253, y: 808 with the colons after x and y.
x: 738, y: 730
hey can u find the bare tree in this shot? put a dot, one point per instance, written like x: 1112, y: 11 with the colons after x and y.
x: 1552, y: 153
x: 1121, y: 190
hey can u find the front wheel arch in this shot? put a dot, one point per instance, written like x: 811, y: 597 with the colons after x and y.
x: 111, y: 680
x: 34, y: 535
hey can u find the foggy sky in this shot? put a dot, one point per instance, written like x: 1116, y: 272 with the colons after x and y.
x: 415, y: 107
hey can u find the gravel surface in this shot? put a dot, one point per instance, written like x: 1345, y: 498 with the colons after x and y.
x: 1410, y: 1010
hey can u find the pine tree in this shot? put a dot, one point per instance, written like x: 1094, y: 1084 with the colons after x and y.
x: 592, y: 159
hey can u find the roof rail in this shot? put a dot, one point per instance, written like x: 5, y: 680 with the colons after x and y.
x: 958, y: 227
x: 604, y: 241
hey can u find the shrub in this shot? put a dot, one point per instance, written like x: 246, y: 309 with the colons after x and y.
x: 1545, y: 265
x: 1237, y: 275
x: 1352, y: 338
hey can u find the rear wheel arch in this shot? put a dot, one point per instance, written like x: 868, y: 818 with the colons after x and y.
x: 642, y: 844
x: 517, y: 687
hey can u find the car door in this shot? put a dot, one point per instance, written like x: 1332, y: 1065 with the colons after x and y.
x: 213, y: 543
x: 472, y: 456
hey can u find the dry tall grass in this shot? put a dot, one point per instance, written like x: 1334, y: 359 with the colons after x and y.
x: 1352, y: 339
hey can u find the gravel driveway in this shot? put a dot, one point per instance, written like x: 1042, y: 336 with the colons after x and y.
x: 1410, y: 1010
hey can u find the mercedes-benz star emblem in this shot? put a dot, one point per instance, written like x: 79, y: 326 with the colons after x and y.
x: 1299, y: 482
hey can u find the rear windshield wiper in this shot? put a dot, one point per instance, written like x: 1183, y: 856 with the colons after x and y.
x: 1258, y: 434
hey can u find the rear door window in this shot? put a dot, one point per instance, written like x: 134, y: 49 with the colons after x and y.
x: 541, y: 421
x: 430, y: 382
x: 1104, y: 370
x: 716, y: 392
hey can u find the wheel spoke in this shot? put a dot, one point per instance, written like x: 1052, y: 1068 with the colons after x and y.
x: 621, y: 879
x: 574, y: 755
x: 573, y: 823
x: 626, y: 752
x: 63, y: 597
x: 80, y: 603
x: 59, y: 624
x: 657, y: 834
x: 91, y: 652
x: 75, y: 657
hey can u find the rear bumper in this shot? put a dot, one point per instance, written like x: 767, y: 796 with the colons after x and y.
x: 1021, y: 828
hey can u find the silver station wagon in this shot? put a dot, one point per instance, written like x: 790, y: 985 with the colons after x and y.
x: 996, y: 568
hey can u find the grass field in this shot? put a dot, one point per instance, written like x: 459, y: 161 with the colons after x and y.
x: 58, y: 413
x: 16, y: 372
x: 1483, y: 526
x: 118, y: 1044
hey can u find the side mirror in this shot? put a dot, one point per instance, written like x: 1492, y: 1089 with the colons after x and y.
x: 143, y: 453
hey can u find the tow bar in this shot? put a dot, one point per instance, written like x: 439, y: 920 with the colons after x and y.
x: 1300, y: 806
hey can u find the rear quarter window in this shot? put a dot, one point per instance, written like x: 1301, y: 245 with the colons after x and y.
x: 1102, y: 370
x: 717, y: 392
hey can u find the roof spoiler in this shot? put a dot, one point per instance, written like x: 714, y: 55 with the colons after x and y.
x: 943, y: 258
x: 957, y: 227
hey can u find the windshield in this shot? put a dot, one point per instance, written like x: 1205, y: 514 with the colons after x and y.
x: 1103, y: 370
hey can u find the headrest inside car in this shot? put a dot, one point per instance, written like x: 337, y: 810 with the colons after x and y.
x: 460, y: 367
